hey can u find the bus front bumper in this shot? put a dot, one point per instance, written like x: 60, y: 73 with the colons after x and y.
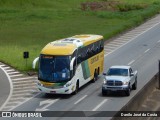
x: 63, y: 90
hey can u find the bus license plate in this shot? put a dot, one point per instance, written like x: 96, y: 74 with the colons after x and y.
x: 52, y: 91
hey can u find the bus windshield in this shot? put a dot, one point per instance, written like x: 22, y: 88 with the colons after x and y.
x: 54, y: 68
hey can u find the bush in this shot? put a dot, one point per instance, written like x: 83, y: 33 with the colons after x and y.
x: 124, y: 7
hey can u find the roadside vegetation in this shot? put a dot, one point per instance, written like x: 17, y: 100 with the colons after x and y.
x: 28, y: 25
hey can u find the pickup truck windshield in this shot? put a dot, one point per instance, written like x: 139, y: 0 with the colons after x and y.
x: 117, y: 72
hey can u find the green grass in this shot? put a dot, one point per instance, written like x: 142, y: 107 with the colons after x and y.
x: 28, y: 25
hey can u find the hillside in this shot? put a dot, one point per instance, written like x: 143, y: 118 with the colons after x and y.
x: 28, y: 25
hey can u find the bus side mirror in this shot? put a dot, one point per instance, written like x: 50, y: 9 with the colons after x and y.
x: 34, y: 62
x: 72, y: 63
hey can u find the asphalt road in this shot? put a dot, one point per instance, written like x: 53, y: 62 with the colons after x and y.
x: 4, y: 87
x: 142, y: 54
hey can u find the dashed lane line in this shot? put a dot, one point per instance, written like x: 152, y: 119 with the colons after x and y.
x: 80, y: 99
x: 99, y: 105
x: 131, y: 62
x: 146, y: 50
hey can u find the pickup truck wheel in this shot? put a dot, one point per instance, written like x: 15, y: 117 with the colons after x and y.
x: 104, y: 93
x: 134, y: 86
x: 128, y: 91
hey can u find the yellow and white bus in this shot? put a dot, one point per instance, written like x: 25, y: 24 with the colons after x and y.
x: 67, y: 64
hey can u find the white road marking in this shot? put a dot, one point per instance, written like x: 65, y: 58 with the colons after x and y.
x: 9, y: 70
x: 27, y: 99
x: 125, y: 37
x: 10, y: 92
x: 117, y: 43
x: 80, y: 99
x: 107, y: 49
x: 99, y: 105
x: 24, y: 91
x: 134, y: 37
x: 11, y: 104
x: 25, y: 87
x: 113, y: 45
x: 146, y: 50
x: 24, y: 82
x: 6, y: 67
x: 21, y: 94
x: 2, y: 65
x: 24, y: 78
x: 11, y: 73
x: 121, y: 40
x: 16, y: 75
x: 131, y: 62
x: 159, y: 41
x: 47, y: 103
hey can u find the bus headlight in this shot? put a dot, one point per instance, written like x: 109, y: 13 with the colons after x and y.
x: 68, y: 84
x: 39, y: 84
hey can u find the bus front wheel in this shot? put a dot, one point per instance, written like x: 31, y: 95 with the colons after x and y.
x: 77, y: 87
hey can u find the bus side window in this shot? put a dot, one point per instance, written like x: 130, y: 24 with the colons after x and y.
x: 101, y: 45
x: 79, y: 59
x: 74, y: 66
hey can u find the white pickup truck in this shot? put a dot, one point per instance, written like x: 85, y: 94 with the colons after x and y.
x: 119, y: 78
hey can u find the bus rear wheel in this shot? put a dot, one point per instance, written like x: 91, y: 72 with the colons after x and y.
x: 95, y: 76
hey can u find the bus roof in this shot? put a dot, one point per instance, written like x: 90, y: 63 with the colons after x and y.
x: 68, y: 45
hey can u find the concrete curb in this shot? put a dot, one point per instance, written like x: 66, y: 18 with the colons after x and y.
x: 138, y: 99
